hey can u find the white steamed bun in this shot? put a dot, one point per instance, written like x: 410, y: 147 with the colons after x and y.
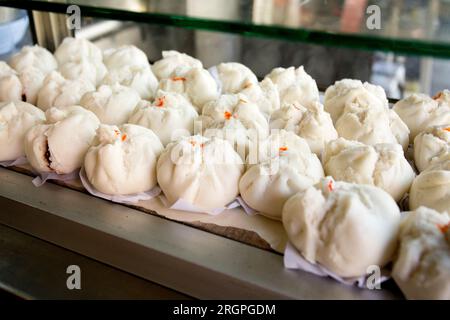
x: 431, y: 145
x: 266, y: 186
x: 265, y: 95
x: 57, y: 91
x: 113, y: 104
x: 122, y: 160
x: 170, y: 116
x: 234, y: 77
x: 422, y: 266
x: 349, y: 91
x: 295, y: 86
x: 196, y: 84
x: 171, y: 61
x: 10, y: 85
x: 16, y: 118
x: 204, y: 172
x: 381, y: 165
x: 344, y: 227
x: 60, y: 145
x: 431, y: 188
x: 421, y: 112
x: 235, y: 119
x: 33, y: 57
x: 311, y: 123
x: 94, y: 72
x: 76, y: 50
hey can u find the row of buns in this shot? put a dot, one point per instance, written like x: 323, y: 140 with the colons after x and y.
x: 333, y: 173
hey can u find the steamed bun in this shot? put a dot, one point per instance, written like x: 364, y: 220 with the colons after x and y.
x: 349, y: 91
x: 234, y: 77
x: 279, y: 140
x: 422, y: 266
x: 20, y: 86
x: 16, y: 118
x: 60, y: 145
x: 204, y: 172
x: 141, y: 79
x: 113, y: 104
x: 10, y: 85
x: 381, y: 165
x: 344, y: 227
x: 431, y: 188
x: 33, y: 57
x: 171, y: 61
x: 266, y: 186
x: 295, y: 86
x: 125, y: 56
x: 431, y: 145
x: 420, y: 112
x: 238, y: 107
x: 196, y: 84
x: 265, y: 95
x: 122, y: 160
x: 93, y: 72
x: 235, y: 119
x: 311, y: 123
x: 368, y: 123
x: 57, y: 91
x: 76, y: 50
x: 170, y: 116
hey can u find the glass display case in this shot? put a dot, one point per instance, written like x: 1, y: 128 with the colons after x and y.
x: 401, y: 45
x: 404, y: 46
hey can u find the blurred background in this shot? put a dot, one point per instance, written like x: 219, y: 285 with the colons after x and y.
x: 399, y: 74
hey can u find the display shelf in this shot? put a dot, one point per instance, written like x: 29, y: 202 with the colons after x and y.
x: 179, y: 257
x: 421, y: 29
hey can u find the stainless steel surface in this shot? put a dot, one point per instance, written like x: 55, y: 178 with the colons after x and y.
x: 176, y: 256
x: 50, y: 29
x: 99, y: 29
x: 31, y: 268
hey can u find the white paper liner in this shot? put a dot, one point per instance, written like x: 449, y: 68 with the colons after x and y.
x: 44, y: 176
x: 215, y: 74
x: 125, y: 199
x: 18, y: 162
x: 248, y: 210
x: 183, y: 205
x: 294, y: 260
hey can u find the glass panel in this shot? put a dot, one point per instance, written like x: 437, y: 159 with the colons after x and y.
x: 399, y: 75
x: 407, y: 26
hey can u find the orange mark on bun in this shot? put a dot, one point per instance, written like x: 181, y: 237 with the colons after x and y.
x: 227, y: 115
x: 160, y: 101
x: 444, y: 228
x: 330, y: 185
x: 447, y: 129
x: 438, y: 95
x: 124, y: 137
x: 178, y: 79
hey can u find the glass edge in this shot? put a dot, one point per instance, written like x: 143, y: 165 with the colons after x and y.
x: 363, y: 42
